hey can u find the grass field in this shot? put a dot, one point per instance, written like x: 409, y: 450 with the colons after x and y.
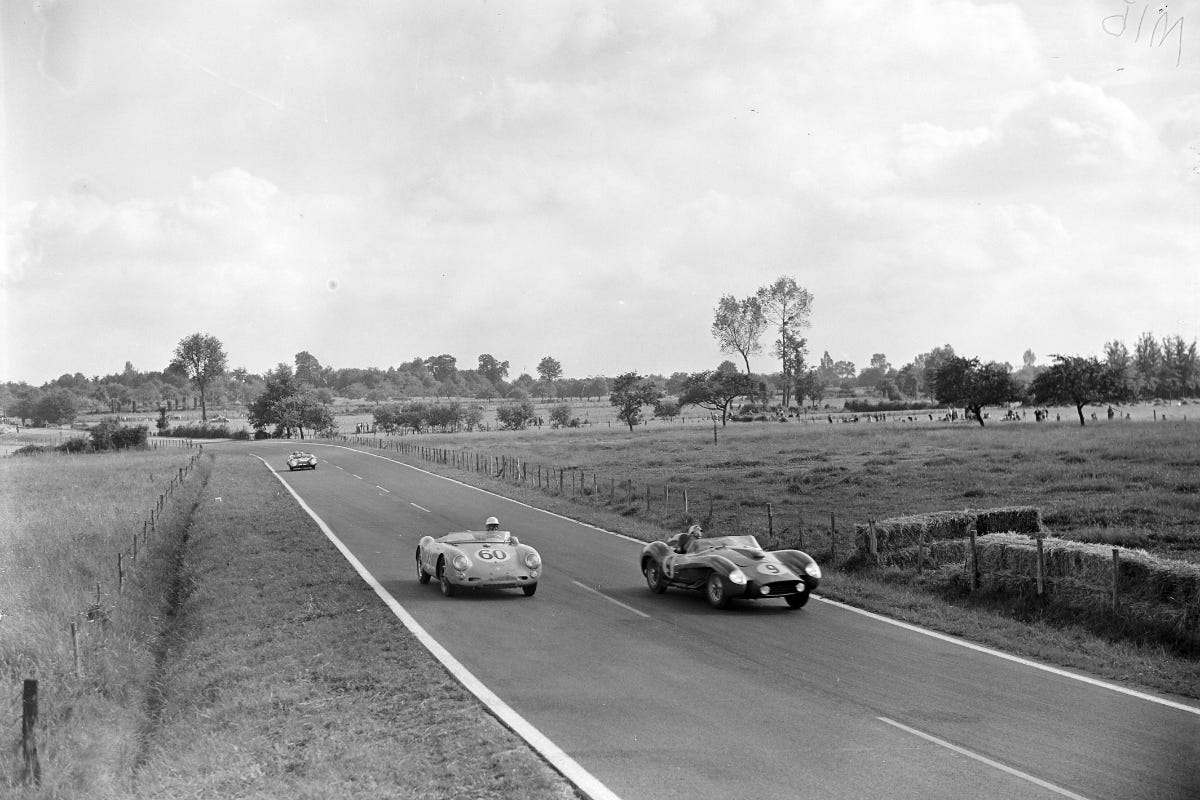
x: 1120, y: 482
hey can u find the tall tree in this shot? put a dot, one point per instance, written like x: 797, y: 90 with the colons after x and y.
x: 202, y: 359
x: 630, y: 393
x: 442, y: 367
x: 786, y: 306
x: 549, y: 369
x: 966, y: 383
x: 493, y: 370
x: 738, y: 325
x: 716, y: 390
x: 309, y: 370
x: 1147, y: 361
x: 1078, y: 381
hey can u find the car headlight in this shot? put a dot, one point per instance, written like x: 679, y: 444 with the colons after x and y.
x: 812, y: 570
x: 461, y: 563
x: 738, y: 577
x: 533, y: 560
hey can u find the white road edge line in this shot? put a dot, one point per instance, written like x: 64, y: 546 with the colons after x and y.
x: 984, y: 760
x: 611, y: 600
x: 567, y: 766
x: 1016, y: 659
x: 906, y: 625
x: 420, y: 508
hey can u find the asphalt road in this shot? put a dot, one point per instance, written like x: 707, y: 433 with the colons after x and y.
x: 659, y: 696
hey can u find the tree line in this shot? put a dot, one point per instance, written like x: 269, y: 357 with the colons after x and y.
x: 296, y: 397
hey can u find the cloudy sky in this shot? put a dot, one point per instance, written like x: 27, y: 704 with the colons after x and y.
x: 378, y: 181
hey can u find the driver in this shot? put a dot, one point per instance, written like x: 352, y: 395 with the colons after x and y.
x: 492, y: 524
x: 694, y: 532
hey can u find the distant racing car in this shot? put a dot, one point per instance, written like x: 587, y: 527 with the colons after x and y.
x: 301, y: 460
x: 478, y: 559
x: 728, y: 567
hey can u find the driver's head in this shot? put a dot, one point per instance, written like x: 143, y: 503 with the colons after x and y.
x: 695, y: 531
x: 492, y: 524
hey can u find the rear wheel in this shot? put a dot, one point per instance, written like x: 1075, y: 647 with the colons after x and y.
x: 715, y: 591
x: 529, y: 589
x: 654, y: 576
x: 422, y: 575
x: 797, y: 600
x: 448, y: 588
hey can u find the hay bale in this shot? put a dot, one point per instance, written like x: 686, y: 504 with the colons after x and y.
x: 1158, y: 591
x: 901, y: 532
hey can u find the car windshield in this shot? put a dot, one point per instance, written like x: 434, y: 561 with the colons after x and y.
x: 480, y: 537
x: 747, y: 542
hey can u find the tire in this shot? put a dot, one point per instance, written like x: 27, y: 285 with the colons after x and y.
x: 448, y: 588
x: 422, y: 575
x: 715, y: 591
x: 654, y: 576
x: 529, y: 589
x: 797, y: 600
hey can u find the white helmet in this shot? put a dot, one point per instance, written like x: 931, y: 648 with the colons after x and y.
x: 695, y: 531
x: 492, y: 521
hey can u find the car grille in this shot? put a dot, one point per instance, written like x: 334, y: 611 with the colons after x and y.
x: 783, y: 587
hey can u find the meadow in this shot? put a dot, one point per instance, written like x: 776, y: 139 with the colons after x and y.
x: 1120, y: 482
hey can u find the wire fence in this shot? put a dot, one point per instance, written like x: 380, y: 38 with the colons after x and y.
x: 672, y: 505
x: 96, y: 617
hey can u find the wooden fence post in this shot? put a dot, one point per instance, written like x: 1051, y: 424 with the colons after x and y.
x: 799, y: 533
x: 120, y: 573
x: 685, y: 502
x: 974, y: 559
x: 75, y: 649
x: 1041, y: 568
x: 872, y: 542
x: 29, y: 714
x: 770, y: 524
x: 832, y: 538
x: 1116, y: 564
x: 921, y: 551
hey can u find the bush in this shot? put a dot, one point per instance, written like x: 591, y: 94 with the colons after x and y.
x: 199, y: 432
x: 109, y: 434
x: 241, y: 435
x: 515, y: 416
x: 876, y: 406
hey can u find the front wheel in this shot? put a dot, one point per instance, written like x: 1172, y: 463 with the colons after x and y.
x: 448, y: 588
x: 529, y: 589
x: 718, y: 597
x: 797, y: 600
x: 654, y: 576
x: 422, y: 575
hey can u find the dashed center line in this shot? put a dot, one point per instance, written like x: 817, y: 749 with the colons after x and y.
x: 356, y: 476
x: 380, y: 488
x: 611, y: 600
x: 419, y: 508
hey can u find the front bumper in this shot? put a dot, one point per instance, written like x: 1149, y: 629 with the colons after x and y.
x: 756, y: 590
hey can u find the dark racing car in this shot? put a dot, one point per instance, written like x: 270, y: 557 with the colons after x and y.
x: 728, y: 567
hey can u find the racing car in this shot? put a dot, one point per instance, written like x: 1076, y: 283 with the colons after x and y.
x: 728, y: 567
x: 301, y: 460
x: 478, y: 559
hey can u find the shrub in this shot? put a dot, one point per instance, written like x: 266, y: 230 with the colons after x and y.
x: 515, y: 416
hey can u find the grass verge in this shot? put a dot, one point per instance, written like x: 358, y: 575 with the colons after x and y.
x: 272, y: 670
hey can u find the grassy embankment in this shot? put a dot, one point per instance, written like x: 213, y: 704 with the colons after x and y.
x: 244, y: 657
x: 1129, y: 484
